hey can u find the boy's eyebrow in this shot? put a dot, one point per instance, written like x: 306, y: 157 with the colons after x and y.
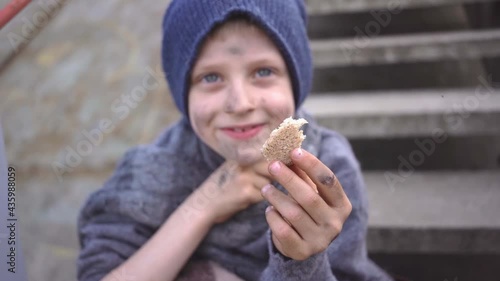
x: 268, y: 61
x: 209, y: 66
x: 265, y: 59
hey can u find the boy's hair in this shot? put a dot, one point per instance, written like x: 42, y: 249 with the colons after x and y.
x: 188, y: 23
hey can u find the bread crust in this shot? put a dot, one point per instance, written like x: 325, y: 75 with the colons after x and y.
x: 283, y: 140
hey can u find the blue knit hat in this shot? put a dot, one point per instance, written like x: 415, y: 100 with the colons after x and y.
x: 187, y: 23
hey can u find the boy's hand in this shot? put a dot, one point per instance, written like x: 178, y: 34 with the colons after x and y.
x: 232, y: 188
x: 306, y: 222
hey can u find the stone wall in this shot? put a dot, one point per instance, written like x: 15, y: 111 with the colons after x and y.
x: 84, y: 90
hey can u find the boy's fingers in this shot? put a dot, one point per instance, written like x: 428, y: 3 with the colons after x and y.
x: 258, y: 184
x: 328, y: 185
x: 301, y: 192
x: 260, y: 180
x: 304, y: 177
x: 283, y: 232
x: 290, y: 211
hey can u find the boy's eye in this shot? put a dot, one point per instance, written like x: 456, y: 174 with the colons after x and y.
x: 211, y: 78
x: 263, y: 72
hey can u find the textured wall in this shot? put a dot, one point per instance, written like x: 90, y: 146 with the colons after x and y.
x: 88, y: 87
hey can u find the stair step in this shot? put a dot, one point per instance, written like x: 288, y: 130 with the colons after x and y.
x: 426, y: 153
x: 430, y: 19
x: 460, y: 112
x: 439, y: 212
x: 449, y: 74
x: 406, y: 48
x: 440, y: 267
x: 321, y: 7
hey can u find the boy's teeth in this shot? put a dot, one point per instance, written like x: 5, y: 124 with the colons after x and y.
x: 240, y: 130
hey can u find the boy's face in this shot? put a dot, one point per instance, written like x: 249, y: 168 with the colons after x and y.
x: 240, y: 91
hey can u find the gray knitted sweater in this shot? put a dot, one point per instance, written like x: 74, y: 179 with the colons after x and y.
x: 152, y: 180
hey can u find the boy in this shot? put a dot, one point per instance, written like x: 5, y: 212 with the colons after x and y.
x: 201, y: 203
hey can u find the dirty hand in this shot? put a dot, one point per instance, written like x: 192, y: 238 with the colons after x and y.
x: 232, y: 188
x: 305, y: 222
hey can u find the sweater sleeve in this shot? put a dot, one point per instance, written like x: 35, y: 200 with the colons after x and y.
x: 281, y: 268
x: 119, y: 218
x: 107, y: 240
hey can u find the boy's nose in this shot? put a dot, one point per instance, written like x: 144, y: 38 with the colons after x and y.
x: 239, y: 99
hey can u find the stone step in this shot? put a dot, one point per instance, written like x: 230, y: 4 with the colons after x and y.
x: 440, y: 267
x: 321, y: 7
x: 450, y: 74
x: 427, y: 153
x: 438, y: 46
x: 434, y: 212
x: 430, y: 19
x: 459, y: 112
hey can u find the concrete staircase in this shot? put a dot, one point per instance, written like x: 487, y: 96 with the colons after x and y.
x: 415, y: 86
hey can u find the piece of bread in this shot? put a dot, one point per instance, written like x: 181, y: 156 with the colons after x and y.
x: 283, y: 140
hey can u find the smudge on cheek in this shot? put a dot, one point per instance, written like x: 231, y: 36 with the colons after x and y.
x: 198, y: 121
x: 280, y: 114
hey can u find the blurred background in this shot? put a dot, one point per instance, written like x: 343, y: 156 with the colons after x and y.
x: 413, y: 84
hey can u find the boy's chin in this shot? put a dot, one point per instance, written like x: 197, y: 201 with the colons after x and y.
x: 246, y: 158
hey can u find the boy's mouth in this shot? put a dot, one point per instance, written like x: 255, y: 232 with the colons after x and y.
x: 243, y: 132
x: 242, y: 129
